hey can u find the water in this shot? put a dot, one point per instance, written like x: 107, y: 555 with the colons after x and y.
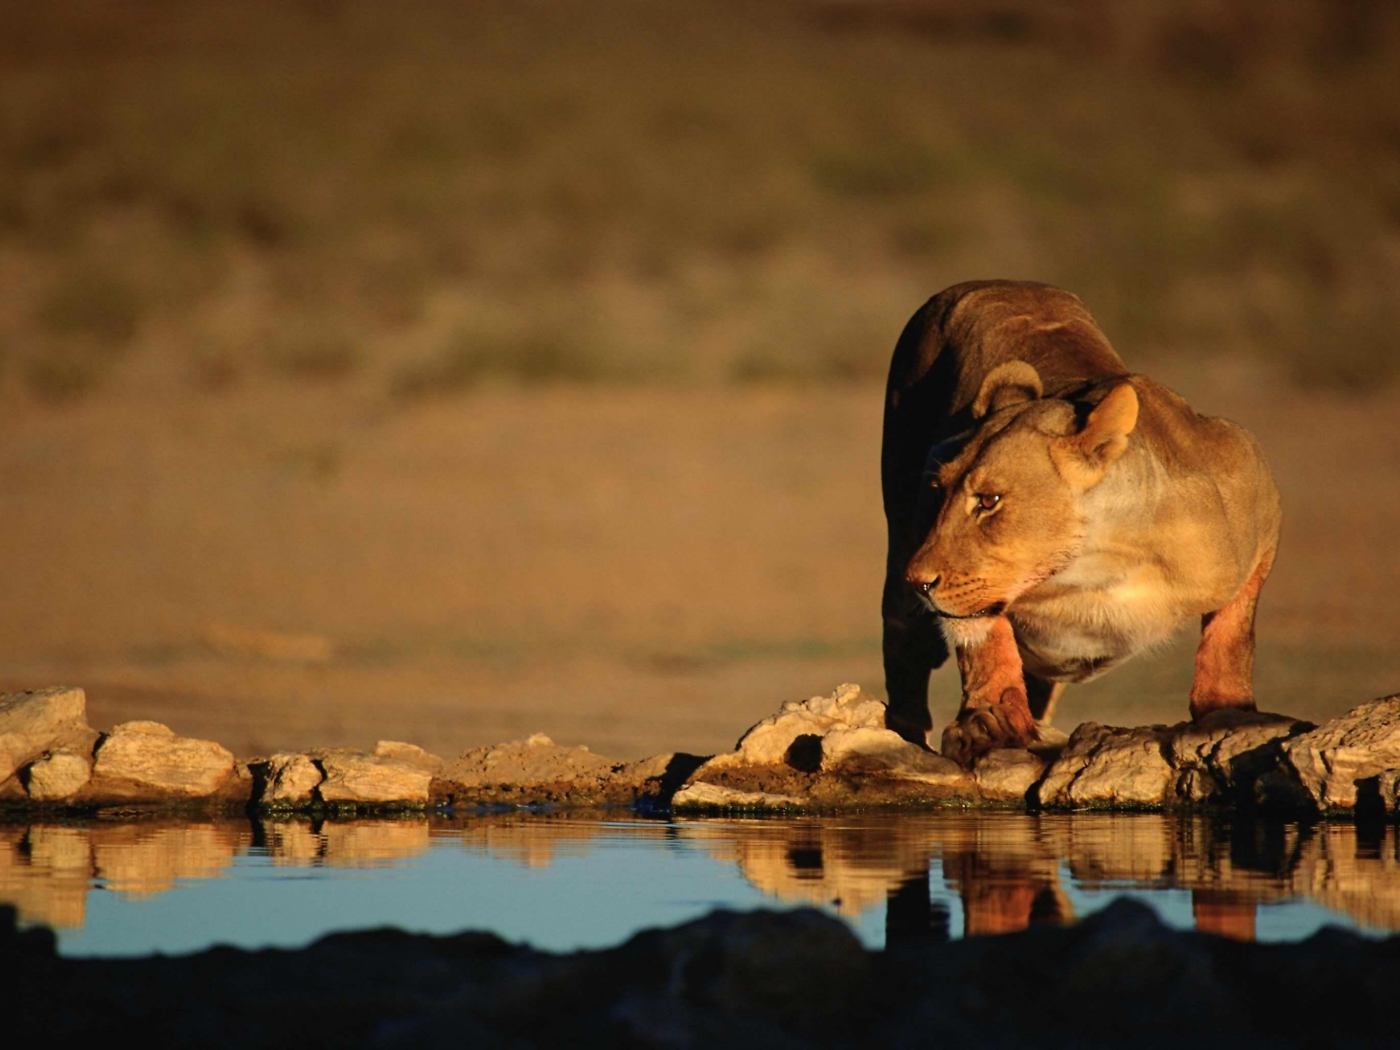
x: 568, y: 881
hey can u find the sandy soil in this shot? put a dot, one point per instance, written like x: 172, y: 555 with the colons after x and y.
x: 640, y: 570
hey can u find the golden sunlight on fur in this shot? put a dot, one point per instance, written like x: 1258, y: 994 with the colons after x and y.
x: 1051, y: 515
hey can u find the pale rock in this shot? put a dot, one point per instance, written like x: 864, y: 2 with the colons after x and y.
x: 1007, y: 774
x: 35, y: 722
x: 1103, y: 765
x: 705, y: 795
x: 1328, y: 762
x: 866, y: 742
x: 768, y: 742
x: 848, y: 705
x: 370, y: 779
x: 150, y: 757
x: 842, y: 733
x: 60, y: 774
x: 1071, y: 761
x: 291, y: 778
x: 410, y: 753
x: 883, y: 750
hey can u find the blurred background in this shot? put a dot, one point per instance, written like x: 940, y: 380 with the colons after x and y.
x: 449, y: 371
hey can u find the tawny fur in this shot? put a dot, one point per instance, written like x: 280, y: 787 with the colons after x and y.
x: 1028, y: 476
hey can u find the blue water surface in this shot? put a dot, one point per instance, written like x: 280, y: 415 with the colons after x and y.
x: 592, y: 882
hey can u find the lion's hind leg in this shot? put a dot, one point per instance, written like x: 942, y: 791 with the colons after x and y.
x: 1043, y: 697
x: 1225, y: 658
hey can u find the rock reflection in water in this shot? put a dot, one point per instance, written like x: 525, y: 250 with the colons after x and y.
x: 44, y: 873
x: 1008, y: 870
x: 534, y: 841
x: 1004, y: 869
x: 139, y: 861
x: 995, y: 873
x: 47, y: 869
x: 343, y: 844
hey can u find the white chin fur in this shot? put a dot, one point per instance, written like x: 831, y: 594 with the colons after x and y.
x: 962, y: 634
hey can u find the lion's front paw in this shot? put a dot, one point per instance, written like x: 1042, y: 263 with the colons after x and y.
x: 982, y: 729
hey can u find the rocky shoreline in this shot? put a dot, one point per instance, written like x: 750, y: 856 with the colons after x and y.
x: 826, y: 753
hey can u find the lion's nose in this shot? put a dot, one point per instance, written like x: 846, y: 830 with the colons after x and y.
x: 924, y: 586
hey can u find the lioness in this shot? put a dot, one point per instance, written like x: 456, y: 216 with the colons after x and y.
x: 1051, y: 514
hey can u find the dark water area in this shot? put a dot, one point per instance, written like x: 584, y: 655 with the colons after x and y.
x: 566, y: 881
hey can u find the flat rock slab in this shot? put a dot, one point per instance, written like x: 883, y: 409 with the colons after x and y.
x: 1008, y: 775
x: 146, y: 761
x: 701, y: 795
x: 372, y: 780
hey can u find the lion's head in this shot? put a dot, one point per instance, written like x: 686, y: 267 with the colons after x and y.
x: 1011, y: 507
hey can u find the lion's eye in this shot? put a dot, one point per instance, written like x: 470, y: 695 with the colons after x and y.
x: 986, y: 502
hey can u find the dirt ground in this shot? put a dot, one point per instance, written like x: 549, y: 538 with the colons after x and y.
x: 641, y: 570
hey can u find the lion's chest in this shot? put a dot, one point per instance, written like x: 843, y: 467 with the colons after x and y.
x: 1079, y: 625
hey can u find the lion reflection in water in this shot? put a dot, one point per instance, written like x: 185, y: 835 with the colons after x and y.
x: 1007, y: 870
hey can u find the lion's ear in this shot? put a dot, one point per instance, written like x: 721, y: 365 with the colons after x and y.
x: 1009, y: 383
x: 1083, y: 457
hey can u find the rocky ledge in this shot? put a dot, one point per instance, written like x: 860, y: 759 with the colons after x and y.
x: 51, y: 758
x: 829, y: 752
x: 835, y: 751
x: 773, y: 979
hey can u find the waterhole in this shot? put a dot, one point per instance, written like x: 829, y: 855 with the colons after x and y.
x: 573, y: 880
